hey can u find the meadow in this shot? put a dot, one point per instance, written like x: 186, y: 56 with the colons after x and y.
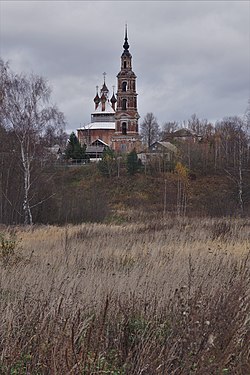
x: 145, y: 297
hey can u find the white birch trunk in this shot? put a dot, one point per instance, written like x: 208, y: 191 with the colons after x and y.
x: 240, y: 180
x: 28, y: 220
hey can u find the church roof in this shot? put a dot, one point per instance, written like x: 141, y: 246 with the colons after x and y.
x: 108, y: 108
x: 99, y: 125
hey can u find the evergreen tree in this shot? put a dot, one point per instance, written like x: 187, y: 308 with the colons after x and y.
x: 74, y: 150
x: 133, y: 164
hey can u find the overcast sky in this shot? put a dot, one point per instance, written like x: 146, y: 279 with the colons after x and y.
x: 189, y: 56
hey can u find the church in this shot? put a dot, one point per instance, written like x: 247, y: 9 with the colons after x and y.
x: 114, y: 121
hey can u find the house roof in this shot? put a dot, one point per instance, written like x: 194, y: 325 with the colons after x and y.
x: 183, y: 133
x: 94, y: 149
x: 169, y: 145
x: 166, y: 145
x: 54, y: 149
x: 100, y: 141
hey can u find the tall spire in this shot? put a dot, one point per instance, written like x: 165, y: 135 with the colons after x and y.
x: 126, y: 45
x: 104, y: 89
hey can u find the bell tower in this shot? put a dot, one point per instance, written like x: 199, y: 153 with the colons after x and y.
x: 126, y: 137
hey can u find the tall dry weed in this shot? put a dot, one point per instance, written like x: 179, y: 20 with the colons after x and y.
x: 163, y: 297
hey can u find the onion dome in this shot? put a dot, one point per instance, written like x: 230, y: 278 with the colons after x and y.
x: 104, y: 89
x: 97, y: 98
x: 113, y: 99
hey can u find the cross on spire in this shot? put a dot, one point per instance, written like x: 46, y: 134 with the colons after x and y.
x: 126, y: 45
x: 104, y: 75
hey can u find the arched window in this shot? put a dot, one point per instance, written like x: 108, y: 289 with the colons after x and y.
x: 125, y: 64
x: 124, y: 86
x: 124, y: 128
x: 124, y: 104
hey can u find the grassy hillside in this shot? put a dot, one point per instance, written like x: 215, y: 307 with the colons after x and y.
x: 82, y: 194
x: 163, y: 297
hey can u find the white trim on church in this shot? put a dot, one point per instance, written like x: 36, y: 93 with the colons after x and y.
x: 99, y: 125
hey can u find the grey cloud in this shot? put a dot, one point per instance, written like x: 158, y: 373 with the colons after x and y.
x: 188, y: 56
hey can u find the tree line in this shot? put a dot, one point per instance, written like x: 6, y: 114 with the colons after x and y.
x: 223, y: 147
x: 30, y: 124
x: 27, y: 121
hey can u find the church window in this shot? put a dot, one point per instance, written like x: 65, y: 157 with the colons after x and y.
x: 124, y: 128
x: 124, y: 104
x: 124, y: 86
x: 125, y: 64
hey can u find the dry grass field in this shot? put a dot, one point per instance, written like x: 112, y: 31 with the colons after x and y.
x: 156, y: 297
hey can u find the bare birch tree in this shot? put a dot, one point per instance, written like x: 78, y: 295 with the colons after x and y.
x: 234, y: 140
x: 24, y: 107
x: 168, y: 128
x: 150, y: 129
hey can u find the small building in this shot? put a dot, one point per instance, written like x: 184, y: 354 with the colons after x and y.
x: 159, y: 156
x: 95, y: 151
x: 55, y: 151
x: 164, y: 149
x: 182, y: 135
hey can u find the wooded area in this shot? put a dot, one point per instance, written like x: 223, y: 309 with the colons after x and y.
x: 210, y: 175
